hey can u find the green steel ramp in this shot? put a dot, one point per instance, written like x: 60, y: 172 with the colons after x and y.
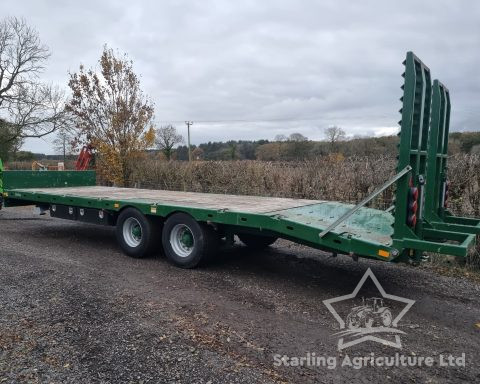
x: 421, y: 221
x: 371, y: 225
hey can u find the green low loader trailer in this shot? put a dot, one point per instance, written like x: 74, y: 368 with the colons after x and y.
x: 189, y: 225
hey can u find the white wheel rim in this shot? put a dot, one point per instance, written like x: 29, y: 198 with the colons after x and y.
x: 132, y: 232
x: 182, y: 240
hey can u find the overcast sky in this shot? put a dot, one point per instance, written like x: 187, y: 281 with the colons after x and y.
x: 255, y: 69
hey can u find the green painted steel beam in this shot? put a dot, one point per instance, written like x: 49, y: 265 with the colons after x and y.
x: 430, y: 233
x: 460, y: 228
x: 435, y: 212
x: 413, y: 137
x: 437, y: 152
x: 47, y: 179
x: 460, y: 250
x: 462, y: 220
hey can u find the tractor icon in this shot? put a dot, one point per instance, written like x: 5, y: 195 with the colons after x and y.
x: 371, y: 312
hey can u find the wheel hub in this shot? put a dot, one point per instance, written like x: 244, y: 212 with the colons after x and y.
x: 132, y: 232
x: 182, y: 240
x: 137, y: 232
x: 187, y: 239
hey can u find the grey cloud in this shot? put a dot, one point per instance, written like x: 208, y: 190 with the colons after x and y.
x: 318, y: 63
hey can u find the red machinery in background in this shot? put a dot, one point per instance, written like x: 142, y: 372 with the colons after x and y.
x: 84, y: 158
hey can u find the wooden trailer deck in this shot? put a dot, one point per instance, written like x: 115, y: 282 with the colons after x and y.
x: 233, y: 203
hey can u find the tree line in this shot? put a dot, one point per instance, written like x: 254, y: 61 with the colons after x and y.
x: 284, y: 150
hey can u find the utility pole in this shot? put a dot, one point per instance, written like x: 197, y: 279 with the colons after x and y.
x: 189, y: 123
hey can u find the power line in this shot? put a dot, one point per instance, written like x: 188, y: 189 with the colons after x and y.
x: 254, y: 120
x: 244, y: 120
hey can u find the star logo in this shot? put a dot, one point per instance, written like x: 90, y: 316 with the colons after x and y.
x: 372, y: 318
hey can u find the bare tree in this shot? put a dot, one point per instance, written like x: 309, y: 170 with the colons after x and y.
x: 280, y: 138
x: 334, y: 134
x: 64, y: 142
x: 32, y: 109
x: 297, y: 137
x: 166, y: 137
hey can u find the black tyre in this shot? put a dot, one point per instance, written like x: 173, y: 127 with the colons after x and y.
x: 136, y: 233
x: 255, y: 241
x: 188, y: 243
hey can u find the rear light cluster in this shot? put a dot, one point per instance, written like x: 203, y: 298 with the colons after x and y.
x: 412, y: 205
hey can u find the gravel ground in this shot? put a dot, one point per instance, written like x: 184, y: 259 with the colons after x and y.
x: 74, y: 309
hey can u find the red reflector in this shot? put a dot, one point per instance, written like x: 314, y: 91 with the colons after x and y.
x: 414, y: 193
x: 412, y: 220
x: 413, y: 207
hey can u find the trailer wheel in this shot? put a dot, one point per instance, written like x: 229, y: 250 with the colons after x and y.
x: 255, y: 241
x: 136, y: 233
x: 186, y: 242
